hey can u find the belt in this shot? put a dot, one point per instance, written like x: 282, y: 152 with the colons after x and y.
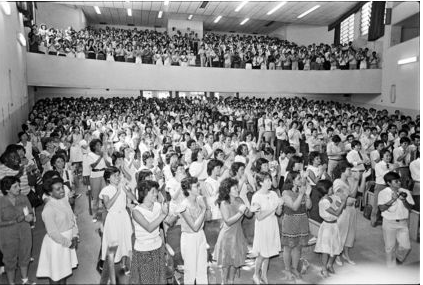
x: 97, y: 170
x: 400, y: 220
x: 330, y: 222
x: 357, y: 170
x: 335, y: 159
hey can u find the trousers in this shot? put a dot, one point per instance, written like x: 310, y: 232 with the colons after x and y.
x: 194, y: 254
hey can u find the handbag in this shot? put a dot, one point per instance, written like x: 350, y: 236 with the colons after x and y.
x: 34, y: 199
x: 367, y: 212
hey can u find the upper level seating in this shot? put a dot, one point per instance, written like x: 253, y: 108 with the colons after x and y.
x: 214, y: 50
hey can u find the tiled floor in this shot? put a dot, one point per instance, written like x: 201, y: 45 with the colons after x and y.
x: 368, y: 253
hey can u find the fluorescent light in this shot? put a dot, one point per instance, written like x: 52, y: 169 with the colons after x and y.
x: 21, y: 39
x: 129, y: 12
x: 166, y: 3
x: 407, y: 60
x: 245, y: 21
x: 276, y: 8
x: 240, y: 6
x: 97, y: 10
x: 308, y: 11
x: 217, y: 19
x: 160, y: 14
x: 190, y: 17
x: 6, y: 8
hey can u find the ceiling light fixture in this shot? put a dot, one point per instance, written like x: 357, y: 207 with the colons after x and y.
x: 240, y: 6
x: 21, y: 39
x: 190, y: 17
x: 129, y: 12
x: 407, y: 60
x: 160, y: 14
x: 245, y: 21
x: 166, y: 2
x: 6, y: 8
x: 308, y: 11
x: 217, y: 19
x: 97, y: 10
x: 276, y: 8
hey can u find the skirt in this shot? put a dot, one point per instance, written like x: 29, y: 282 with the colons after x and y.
x: 117, y: 229
x: 148, y: 267
x: 56, y: 261
x: 328, y: 239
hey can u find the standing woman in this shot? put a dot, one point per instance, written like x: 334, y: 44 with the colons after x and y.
x: 294, y: 136
x: 266, y: 232
x: 295, y: 231
x: 16, y: 236
x: 193, y: 240
x: 58, y: 255
x: 148, y: 263
x: 117, y: 225
x: 231, y: 246
x: 346, y: 187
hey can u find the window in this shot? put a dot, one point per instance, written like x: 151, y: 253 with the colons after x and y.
x: 147, y: 94
x: 366, y: 12
x: 347, y: 30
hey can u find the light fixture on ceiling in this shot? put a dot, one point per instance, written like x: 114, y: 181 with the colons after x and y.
x: 97, y: 10
x: 245, y: 21
x: 276, y: 8
x: 166, y: 2
x: 21, y: 39
x: 190, y: 17
x: 160, y: 14
x: 240, y: 6
x: 217, y: 19
x: 6, y: 8
x: 129, y: 12
x: 308, y: 11
x: 407, y: 60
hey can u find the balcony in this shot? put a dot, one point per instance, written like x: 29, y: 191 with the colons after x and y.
x: 52, y: 71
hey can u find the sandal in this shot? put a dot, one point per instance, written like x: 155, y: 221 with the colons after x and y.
x: 324, y: 273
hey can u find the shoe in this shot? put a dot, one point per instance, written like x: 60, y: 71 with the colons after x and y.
x: 330, y: 269
x: 373, y: 224
x: 348, y: 260
x: 324, y: 273
x: 1, y: 270
x: 399, y: 262
x: 26, y: 281
x: 296, y: 273
x: 256, y: 279
x: 338, y: 261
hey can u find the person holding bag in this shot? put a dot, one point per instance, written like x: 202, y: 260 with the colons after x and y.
x: 58, y: 250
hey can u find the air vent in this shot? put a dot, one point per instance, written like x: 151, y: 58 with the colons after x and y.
x: 131, y: 25
x: 270, y: 23
x: 157, y: 27
x: 204, y: 4
x: 232, y: 31
x: 254, y: 33
x: 103, y: 23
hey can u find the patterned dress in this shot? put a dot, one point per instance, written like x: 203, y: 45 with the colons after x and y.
x: 231, y: 245
x: 295, y: 229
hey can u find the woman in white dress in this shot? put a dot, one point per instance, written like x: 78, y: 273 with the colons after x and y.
x: 328, y: 239
x: 58, y: 255
x: 267, y: 241
x: 117, y: 225
x: 346, y: 185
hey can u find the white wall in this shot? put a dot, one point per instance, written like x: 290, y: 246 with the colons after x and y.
x: 125, y: 27
x: 13, y: 95
x: 53, y: 71
x: 60, y: 16
x: 183, y: 25
x: 305, y: 34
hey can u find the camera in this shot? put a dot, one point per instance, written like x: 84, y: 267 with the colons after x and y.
x: 403, y: 194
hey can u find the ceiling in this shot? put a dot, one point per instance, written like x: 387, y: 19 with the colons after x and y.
x: 145, y: 13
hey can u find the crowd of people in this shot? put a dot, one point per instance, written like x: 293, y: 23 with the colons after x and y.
x: 217, y: 179
x: 213, y: 50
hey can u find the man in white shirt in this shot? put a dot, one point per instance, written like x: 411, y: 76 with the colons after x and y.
x: 402, y: 157
x: 381, y: 168
x: 357, y: 158
x: 395, y: 204
x: 334, y: 151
